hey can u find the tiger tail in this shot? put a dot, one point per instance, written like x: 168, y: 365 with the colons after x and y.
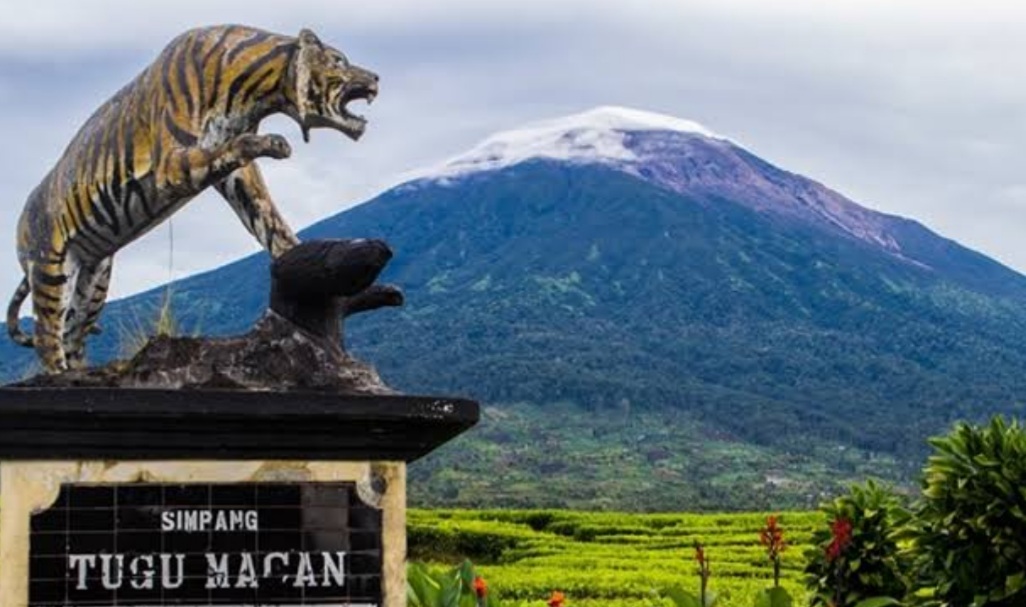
x: 13, y: 309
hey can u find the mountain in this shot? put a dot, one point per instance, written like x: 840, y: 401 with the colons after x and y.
x: 655, y: 318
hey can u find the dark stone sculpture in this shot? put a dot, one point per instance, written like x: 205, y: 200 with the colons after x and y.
x: 318, y: 283
x: 296, y: 345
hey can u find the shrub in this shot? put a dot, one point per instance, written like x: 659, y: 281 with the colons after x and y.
x: 969, y: 533
x: 857, y: 558
x: 448, y: 543
x: 460, y: 587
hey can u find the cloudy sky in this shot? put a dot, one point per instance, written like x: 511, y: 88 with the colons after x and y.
x: 916, y: 108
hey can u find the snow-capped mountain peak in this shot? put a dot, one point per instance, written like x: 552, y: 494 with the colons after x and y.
x: 596, y: 135
x: 618, y: 118
x: 675, y: 154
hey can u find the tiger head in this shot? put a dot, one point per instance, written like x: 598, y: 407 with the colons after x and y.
x: 325, y: 82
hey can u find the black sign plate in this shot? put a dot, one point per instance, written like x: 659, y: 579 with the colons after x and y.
x: 236, y: 545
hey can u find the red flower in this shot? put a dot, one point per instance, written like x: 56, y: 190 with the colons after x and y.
x: 703, y: 568
x: 557, y: 599
x: 703, y: 560
x: 841, y: 530
x: 480, y: 587
x: 772, y: 537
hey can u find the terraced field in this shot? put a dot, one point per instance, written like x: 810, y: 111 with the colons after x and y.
x: 609, y: 559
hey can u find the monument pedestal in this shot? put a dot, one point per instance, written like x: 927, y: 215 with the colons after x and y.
x: 113, y: 497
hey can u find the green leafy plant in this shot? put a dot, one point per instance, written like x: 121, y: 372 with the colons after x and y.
x: 969, y: 531
x: 683, y: 598
x: 459, y: 587
x: 856, y: 561
x: 773, y: 597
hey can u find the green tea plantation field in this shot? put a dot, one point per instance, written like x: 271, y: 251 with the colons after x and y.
x: 610, y: 559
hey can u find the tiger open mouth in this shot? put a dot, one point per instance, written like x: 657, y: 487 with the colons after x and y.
x: 354, y: 124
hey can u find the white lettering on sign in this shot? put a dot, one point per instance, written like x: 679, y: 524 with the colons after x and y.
x: 142, y: 572
x: 106, y: 560
x: 166, y: 573
x: 192, y: 521
x: 81, y: 562
x: 112, y: 567
x: 239, y: 570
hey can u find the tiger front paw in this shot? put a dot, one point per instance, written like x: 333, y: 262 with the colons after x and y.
x: 277, y: 147
x: 252, y: 146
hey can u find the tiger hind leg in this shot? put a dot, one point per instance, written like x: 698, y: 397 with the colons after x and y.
x: 51, y: 291
x: 87, y: 302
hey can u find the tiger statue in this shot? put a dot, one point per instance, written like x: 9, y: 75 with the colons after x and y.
x: 187, y: 122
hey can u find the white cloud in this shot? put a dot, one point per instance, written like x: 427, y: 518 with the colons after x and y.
x: 55, y: 26
x: 916, y: 108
